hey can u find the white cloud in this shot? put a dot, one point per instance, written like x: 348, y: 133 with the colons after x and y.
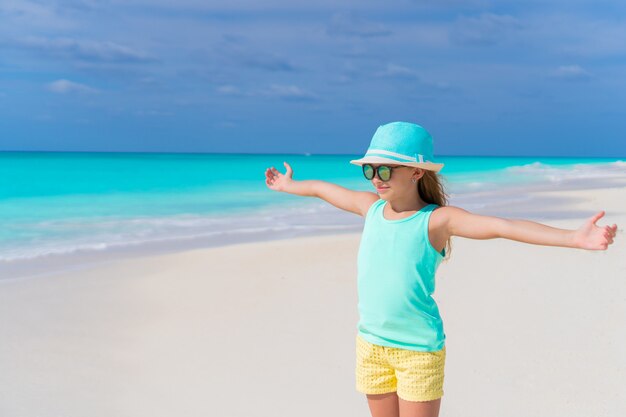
x: 229, y: 90
x: 289, y: 92
x: 85, y: 49
x: 398, y: 71
x: 66, y: 86
x: 283, y: 92
x: 571, y: 72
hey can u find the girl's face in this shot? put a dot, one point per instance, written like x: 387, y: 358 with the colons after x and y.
x: 399, y: 183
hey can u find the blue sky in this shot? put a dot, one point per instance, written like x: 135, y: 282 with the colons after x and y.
x: 531, y: 78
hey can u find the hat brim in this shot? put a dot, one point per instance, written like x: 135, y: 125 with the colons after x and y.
x: 431, y: 166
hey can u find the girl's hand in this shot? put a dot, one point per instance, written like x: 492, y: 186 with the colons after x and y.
x: 277, y: 181
x: 590, y: 236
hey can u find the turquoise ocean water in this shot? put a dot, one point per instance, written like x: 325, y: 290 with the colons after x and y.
x: 64, y: 203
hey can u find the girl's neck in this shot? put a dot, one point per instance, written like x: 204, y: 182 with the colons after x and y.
x: 408, y: 203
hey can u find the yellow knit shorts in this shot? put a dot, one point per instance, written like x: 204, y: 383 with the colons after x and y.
x: 416, y: 376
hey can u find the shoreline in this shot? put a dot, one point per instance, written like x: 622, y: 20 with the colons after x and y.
x: 545, y: 205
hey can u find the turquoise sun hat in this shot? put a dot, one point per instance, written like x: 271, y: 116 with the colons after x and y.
x: 401, y: 143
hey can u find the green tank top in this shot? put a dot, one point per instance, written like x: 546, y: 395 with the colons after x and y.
x: 396, y: 278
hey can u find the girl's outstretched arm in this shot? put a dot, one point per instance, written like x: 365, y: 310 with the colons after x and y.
x: 357, y: 202
x: 588, y: 236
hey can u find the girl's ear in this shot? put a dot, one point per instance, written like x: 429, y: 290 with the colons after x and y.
x: 418, y: 173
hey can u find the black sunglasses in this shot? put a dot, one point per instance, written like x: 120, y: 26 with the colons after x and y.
x: 384, y: 171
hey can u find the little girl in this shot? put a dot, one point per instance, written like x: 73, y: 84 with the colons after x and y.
x: 400, y: 345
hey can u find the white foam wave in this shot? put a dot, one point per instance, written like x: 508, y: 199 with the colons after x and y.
x: 556, y: 173
x: 71, y: 236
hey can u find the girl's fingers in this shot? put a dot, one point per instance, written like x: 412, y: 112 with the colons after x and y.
x: 597, y: 217
x: 288, y: 169
x: 609, y: 230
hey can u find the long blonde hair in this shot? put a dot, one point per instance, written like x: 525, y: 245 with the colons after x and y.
x: 431, y: 189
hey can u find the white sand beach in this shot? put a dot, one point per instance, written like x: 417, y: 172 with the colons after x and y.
x: 268, y: 329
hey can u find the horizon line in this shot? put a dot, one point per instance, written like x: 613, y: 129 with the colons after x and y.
x: 301, y: 154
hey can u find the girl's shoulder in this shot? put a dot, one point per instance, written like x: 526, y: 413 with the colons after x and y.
x: 367, y: 200
x: 441, y: 215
